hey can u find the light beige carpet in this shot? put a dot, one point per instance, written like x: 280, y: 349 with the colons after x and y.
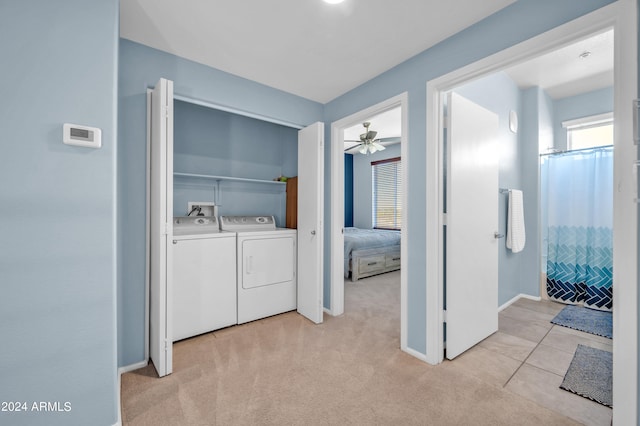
x: 284, y: 370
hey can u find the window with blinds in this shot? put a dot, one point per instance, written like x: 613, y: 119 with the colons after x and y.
x: 387, y: 193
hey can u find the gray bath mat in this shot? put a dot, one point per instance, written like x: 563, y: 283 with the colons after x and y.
x: 588, y: 320
x: 590, y: 375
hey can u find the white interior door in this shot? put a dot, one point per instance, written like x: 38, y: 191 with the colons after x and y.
x: 310, y: 230
x: 472, y: 221
x: 161, y: 234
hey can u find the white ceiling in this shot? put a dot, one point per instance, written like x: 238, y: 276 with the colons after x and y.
x: 305, y: 47
x: 320, y: 51
x: 560, y: 73
x: 387, y: 124
x: 563, y: 73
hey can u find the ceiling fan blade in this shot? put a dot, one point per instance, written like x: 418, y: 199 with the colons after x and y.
x: 371, y: 134
x: 353, y: 149
x: 388, y: 141
x: 351, y: 144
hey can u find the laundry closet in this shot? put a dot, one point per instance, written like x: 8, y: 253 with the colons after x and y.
x: 220, y: 253
x: 231, y: 160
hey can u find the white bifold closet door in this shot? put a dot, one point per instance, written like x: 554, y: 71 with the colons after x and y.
x: 310, y: 229
x: 161, y: 233
x: 472, y: 225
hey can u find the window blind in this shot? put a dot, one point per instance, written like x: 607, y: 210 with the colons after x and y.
x: 387, y: 193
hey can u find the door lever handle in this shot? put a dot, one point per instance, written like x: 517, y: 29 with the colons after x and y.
x: 496, y: 235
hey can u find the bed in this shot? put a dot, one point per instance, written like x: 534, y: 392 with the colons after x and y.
x: 370, y: 252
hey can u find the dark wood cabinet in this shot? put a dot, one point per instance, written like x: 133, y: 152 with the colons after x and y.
x: 292, y: 203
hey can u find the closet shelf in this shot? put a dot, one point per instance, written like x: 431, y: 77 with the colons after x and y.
x: 228, y: 178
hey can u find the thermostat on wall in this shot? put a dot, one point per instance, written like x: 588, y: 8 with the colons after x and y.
x: 74, y: 134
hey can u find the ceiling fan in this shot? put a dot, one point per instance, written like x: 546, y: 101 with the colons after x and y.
x: 368, y: 143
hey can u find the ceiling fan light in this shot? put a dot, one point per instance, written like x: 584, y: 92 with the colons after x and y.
x: 369, y: 145
x: 377, y: 146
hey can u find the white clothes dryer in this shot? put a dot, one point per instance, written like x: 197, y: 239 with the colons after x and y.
x: 266, y: 266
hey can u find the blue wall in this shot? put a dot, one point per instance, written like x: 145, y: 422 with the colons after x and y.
x: 348, y: 190
x: 500, y: 94
x: 584, y: 105
x: 511, y: 25
x: 140, y: 68
x: 362, y: 190
x: 213, y: 142
x: 57, y: 259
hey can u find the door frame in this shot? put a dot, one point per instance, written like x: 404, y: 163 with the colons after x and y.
x: 336, y: 302
x: 621, y: 16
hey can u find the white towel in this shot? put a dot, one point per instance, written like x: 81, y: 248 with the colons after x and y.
x: 516, y: 236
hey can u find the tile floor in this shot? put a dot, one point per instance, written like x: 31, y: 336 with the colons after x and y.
x: 529, y: 357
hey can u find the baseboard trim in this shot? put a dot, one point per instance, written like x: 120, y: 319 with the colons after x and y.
x: 119, y: 401
x: 128, y: 368
x: 515, y: 299
x: 530, y: 297
x: 415, y: 354
x: 121, y: 371
x: 328, y: 311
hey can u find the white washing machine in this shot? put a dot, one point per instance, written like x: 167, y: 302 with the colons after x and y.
x: 266, y: 266
x: 204, y: 276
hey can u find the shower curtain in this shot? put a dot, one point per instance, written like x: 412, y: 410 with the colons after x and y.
x: 577, y: 206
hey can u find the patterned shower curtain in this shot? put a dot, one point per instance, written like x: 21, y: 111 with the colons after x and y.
x: 577, y: 205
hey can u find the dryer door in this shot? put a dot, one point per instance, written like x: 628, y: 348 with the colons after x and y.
x: 267, y: 261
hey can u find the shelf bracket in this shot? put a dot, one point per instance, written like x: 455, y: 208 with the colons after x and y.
x: 217, y: 195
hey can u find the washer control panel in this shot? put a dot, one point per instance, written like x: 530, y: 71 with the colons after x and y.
x: 247, y: 223
x: 186, y: 225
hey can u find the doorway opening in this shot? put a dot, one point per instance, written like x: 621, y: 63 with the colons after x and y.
x: 620, y: 17
x: 342, y: 131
